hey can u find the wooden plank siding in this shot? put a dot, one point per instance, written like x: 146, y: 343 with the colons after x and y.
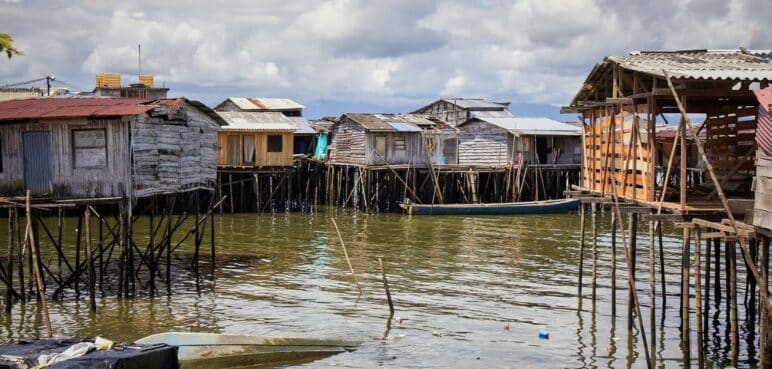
x: 263, y: 158
x: 481, y: 143
x: 68, y: 180
x: 401, y: 148
x: 348, y: 143
x: 762, y: 205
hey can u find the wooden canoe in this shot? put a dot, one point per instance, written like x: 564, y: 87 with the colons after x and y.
x: 210, y: 350
x: 528, y: 207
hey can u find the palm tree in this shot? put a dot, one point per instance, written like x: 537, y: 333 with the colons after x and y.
x: 6, y: 45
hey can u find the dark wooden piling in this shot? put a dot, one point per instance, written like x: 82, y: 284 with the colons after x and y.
x: 78, y: 237
x: 685, y: 261
x: 90, y: 261
x: 765, y: 333
x: 706, y: 304
x: 386, y: 286
x: 34, y: 251
x: 698, y: 297
x: 581, y: 248
x: 633, y: 247
x: 717, y: 272
x: 734, y: 335
x: 662, y: 266
x: 652, y: 294
x: 9, y: 262
x: 594, y: 224
x: 614, y: 226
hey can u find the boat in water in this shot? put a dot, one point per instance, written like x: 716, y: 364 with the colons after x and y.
x: 210, y: 350
x: 527, y: 207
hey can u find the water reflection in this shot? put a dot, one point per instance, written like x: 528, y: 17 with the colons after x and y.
x: 454, y: 280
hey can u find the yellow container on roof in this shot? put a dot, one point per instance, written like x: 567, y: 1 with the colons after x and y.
x: 112, y: 80
x: 146, y: 80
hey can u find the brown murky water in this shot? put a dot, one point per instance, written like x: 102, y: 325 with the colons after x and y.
x: 455, y: 282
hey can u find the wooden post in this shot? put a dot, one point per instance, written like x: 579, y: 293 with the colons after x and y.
x: 614, y: 226
x: 698, y: 296
x: 581, y: 248
x: 345, y: 253
x: 633, y: 256
x: 9, y: 262
x: 168, y: 246
x: 662, y: 266
x: 20, y: 247
x: 683, y: 160
x: 122, y: 245
x: 594, y: 250
x: 717, y: 271
x: 734, y: 338
x: 685, y: 257
x: 60, y: 227
x: 764, y: 326
x: 386, y: 286
x: 90, y: 261
x: 706, y: 303
x: 36, y: 269
x: 652, y: 294
x: 79, y: 236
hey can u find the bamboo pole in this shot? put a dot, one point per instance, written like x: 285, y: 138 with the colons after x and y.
x: 35, y: 262
x: 345, y: 253
x: 386, y: 286
x: 90, y: 259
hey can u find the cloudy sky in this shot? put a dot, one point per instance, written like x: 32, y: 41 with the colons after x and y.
x: 336, y: 56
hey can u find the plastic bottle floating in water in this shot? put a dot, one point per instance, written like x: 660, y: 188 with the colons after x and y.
x: 543, y: 334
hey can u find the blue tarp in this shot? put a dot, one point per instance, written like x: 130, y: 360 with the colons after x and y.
x: 321, y: 147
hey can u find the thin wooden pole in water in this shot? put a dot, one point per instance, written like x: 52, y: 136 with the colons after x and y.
x: 698, y: 296
x: 35, y: 262
x: 633, y: 250
x: 707, y: 289
x: 9, y: 262
x: 593, y: 217
x: 386, y: 286
x: 345, y: 253
x: 90, y: 261
x: 652, y: 293
x: 764, y: 330
x: 685, y: 257
x: 613, y: 264
x: 581, y: 248
x: 662, y: 266
x: 735, y: 339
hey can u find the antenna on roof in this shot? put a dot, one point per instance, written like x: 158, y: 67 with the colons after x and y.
x: 139, y: 60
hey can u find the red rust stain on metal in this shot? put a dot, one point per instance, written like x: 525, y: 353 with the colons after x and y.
x: 72, y: 107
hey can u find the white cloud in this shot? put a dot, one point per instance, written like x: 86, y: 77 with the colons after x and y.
x: 388, y: 53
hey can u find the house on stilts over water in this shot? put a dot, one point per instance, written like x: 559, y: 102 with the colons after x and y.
x: 712, y: 99
x: 106, y: 160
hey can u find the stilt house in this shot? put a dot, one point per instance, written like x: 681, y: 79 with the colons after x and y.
x: 302, y: 138
x: 513, y: 141
x: 75, y: 148
x: 455, y: 111
x: 378, y: 139
x: 250, y: 140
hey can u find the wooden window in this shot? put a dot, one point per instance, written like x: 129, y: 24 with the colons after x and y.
x: 380, y: 145
x: 89, y: 147
x: 399, y: 143
x: 275, y: 143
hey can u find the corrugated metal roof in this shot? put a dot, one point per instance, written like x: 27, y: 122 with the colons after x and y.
x: 765, y: 98
x: 753, y: 65
x: 472, y: 104
x: 491, y: 114
x: 265, y: 104
x: 303, y: 127
x: 534, y: 126
x: 247, y: 121
x: 383, y: 122
x: 404, y: 127
x: 72, y: 107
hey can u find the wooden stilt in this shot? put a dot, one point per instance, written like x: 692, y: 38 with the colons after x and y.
x: 717, y: 272
x: 614, y: 226
x: 633, y: 247
x: 90, y: 261
x: 698, y: 297
x: 386, y: 286
x: 593, y: 216
x: 765, y: 333
x: 662, y: 267
x: 36, y: 262
x: 652, y: 295
x: 685, y: 329
x: 706, y: 303
x: 734, y: 338
x: 581, y: 248
x: 9, y: 262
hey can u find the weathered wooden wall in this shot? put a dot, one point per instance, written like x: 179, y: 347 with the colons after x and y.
x: 347, y: 143
x: 411, y: 152
x: 481, y: 143
x: 446, y: 111
x: 174, y: 151
x: 68, y: 180
x: 762, y: 208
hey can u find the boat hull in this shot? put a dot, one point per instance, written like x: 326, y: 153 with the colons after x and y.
x: 208, y: 350
x: 531, y: 207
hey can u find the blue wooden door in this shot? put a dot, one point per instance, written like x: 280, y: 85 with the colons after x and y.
x: 37, y: 162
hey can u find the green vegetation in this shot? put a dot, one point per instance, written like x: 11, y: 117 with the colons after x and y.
x: 6, y: 45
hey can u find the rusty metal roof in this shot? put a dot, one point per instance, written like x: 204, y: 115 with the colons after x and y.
x: 742, y: 65
x: 385, y: 122
x: 765, y: 98
x: 249, y: 121
x: 72, y: 107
